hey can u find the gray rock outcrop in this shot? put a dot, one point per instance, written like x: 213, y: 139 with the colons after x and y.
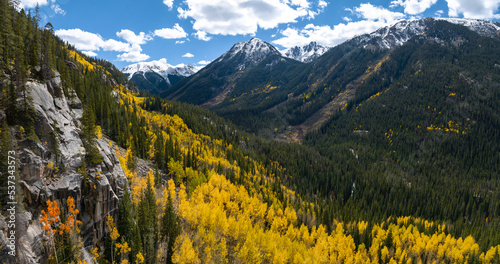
x: 46, y: 175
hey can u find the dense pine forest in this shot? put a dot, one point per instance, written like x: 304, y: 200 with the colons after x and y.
x: 213, y: 193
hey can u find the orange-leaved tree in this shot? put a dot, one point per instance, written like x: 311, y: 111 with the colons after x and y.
x: 56, y: 228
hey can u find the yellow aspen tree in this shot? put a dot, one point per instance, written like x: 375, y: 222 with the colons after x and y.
x: 113, y: 233
x: 139, y: 258
x: 184, y: 252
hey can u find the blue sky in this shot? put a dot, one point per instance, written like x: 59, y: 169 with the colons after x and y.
x: 198, y: 31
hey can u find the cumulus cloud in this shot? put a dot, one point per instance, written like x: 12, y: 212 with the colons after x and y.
x: 203, y: 62
x: 188, y: 55
x: 91, y: 42
x: 376, y: 13
x: 134, y: 55
x: 171, y: 33
x: 242, y: 16
x: 88, y: 41
x: 480, y: 9
x: 32, y: 3
x: 322, y: 4
x: 57, y: 9
x: 130, y: 37
x: 202, y: 35
x: 326, y: 35
x: 168, y: 3
x: 373, y: 18
x: 414, y: 7
x: 89, y: 53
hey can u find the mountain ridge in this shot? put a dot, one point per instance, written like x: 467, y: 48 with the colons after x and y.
x: 156, y: 76
x: 300, y: 92
x: 306, y: 53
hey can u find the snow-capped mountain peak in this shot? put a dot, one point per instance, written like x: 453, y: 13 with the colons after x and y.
x: 161, y: 67
x: 252, y: 47
x: 399, y: 33
x: 156, y: 76
x: 305, y: 53
x: 250, y: 53
x: 482, y: 27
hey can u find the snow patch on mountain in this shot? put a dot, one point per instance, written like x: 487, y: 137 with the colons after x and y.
x: 399, y: 33
x: 482, y: 27
x: 162, y: 68
x: 305, y: 53
x: 249, y: 53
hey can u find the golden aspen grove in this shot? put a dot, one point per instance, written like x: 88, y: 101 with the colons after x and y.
x: 224, y: 222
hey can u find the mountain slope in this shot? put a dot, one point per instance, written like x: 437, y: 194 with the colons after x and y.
x: 215, y: 81
x: 157, y: 76
x: 304, y: 96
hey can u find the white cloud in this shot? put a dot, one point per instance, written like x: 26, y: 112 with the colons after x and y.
x: 375, y: 13
x: 169, y: 3
x: 373, y: 18
x: 134, y: 55
x: 114, y: 45
x: 414, y: 7
x: 202, y: 35
x: 88, y: 41
x: 188, y: 55
x: 171, y: 33
x: 439, y: 13
x: 347, y: 19
x: 32, y: 3
x: 57, y: 9
x: 481, y: 9
x: 89, y: 53
x: 180, y: 42
x: 204, y: 62
x: 326, y: 35
x: 132, y: 38
x: 322, y: 4
x: 242, y: 16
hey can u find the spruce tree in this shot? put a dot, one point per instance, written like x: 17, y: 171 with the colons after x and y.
x: 88, y: 136
x: 170, y: 228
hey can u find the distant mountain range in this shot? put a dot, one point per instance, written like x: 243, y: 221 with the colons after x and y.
x: 253, y: 81
x: 157, y: 76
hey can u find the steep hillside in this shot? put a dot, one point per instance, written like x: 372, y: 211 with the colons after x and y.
x: 215, y: 82
x: 285, y: 100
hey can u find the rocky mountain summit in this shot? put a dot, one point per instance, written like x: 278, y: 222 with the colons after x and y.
x: 396, y: 35
x: 157, y: 76
x: 306, y: 53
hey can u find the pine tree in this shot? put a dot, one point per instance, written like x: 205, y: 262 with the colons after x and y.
x: 170, y: 228
x: 89, y: 136
x: 148, y: 223
x: 125, y: 217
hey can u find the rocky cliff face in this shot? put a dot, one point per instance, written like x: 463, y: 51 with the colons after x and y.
x: 46, y: 174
